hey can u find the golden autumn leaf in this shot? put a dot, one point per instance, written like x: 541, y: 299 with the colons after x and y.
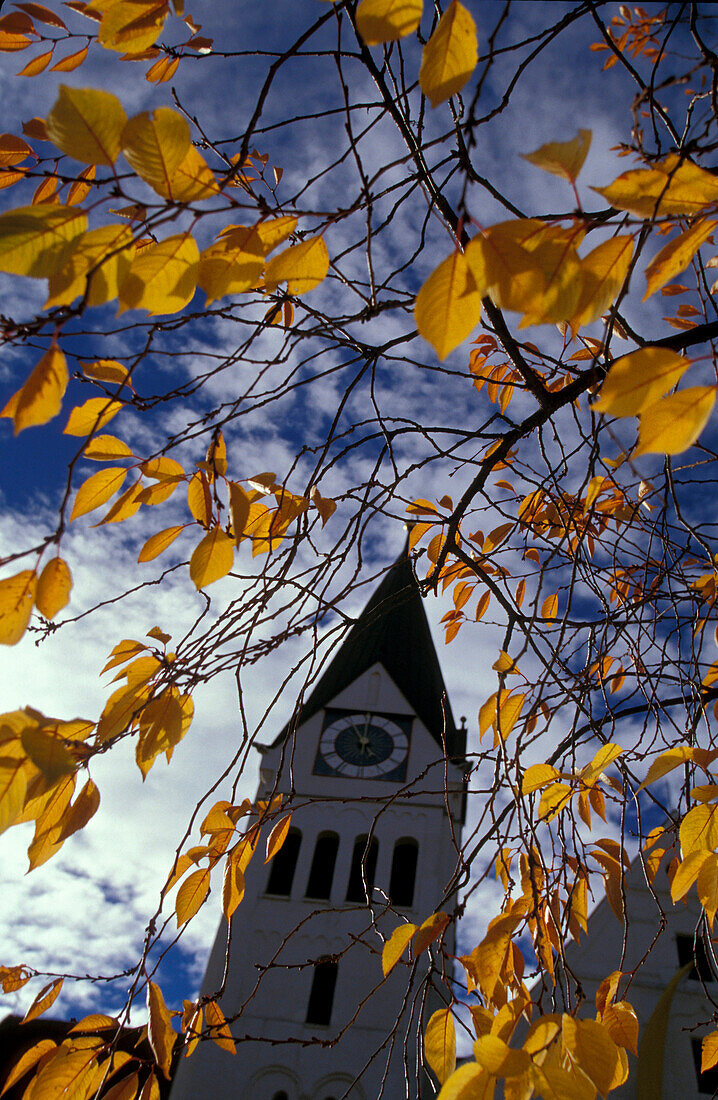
x: 163, y: 277
x: 227, y: 268
x: 191, y: 895
x: 302, y: 266
x: 387, y: 20
x: 106, y: 370
x: 92, y: 415
x: 670, y: 187
x: 160, y: 1032
x: 71, y: 61
x: 40, y: 399
x: 219, y: 1028
x: 26, y: 1061
x: 131, y: 26
x: 699, y: 830
x: 192, y: 181
x: 448, y: 306
x: 450, y: 56
x: 440, y: 1044
x: 677, y: 254
x: 429, y: 931
x: 97, y: 490
x: 36, y: 240
x: 106, y: 448
x: 621, y: 1023
x: 277, y: 836
x: 87, y: 124
x: 44, y: 1000
x: 562, y: 158
x: 13, y: 788
x: 638, y: 380
x: 707, y: 886
x: 232, y: 886
x: 674, y: 423
x: 96, y: 266
x: 666, y: 762
x: 554, y: 799
x: 17, y: 595
x: 603, y: 273
x: 212, y: 558
x: 469, y: 1082
x: 537, y: 776
x: 49, y: 754
x: 709, y: 1051
x: 395, y: 946
x: 81, y: 811
x: 53, y: 588
x: 497, y: 1057
x: 157, y: 544
x: 155, y: 144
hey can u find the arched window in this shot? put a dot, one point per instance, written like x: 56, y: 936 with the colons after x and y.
x: 322, y: 870
x: 284, y: 865
x: 321, y: 997
x: 403, y: 872
x: 363, y: 868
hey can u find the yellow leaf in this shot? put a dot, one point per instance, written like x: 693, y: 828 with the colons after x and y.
x: 25, y: 1063
x: 155, y: 144
x: 603, y: 273
x: 91, y: 416
x: 212, y: 558
x: 395, y: 946
x: 13, y: 787
x: 49, y: 754
x: 97, y: 490
x: 126, y: 1089
x: 232, y: 886
x: 157, y: 544
x: 87, y: 124
x: 40, y: 399
x: 501, y: 263
x: 277, y: 836
x: 323, y: 505
x: 699, y: 829
x: 71, y: 62
x: 44, y: 1000
x: 53, y: 588
x: 227, y: 268
x: 440, y: 1043
x: 37, y: 64
x: 707, y: 887
x: 450, y: 56
x: 219, y: 1028
x: 603, y: 758
x: 549, y: 607
x: 82, y: 810
x: 687, y: 872
x: 131, y: 26
x: 105, y: 448
x: 537, y: 776
x: 97, y: 265
x: 191, y: 895
x: 17, y: 595
x: 621, y: 1023
x: 302, y: 266
x: 668, y: 188
x: 468, y: 1082
x: 199, y: 499
x: 448, y: 305
x: 638, y: 380
x: 160, y: 1032
x: 239, y: 504
x: 498, y: 1058
x: 126, y: 505
x: 508, y: 712
x: 120, y: 710
x: 192, y: 180
x: 563, y: 158
x: 106, y: 370
x: 36, y: 240
x: 592, y: 1049
x: 387, y: 20
x: 676, y: 255
x: 553, y: 800
x: 666, y: 762
x: 674, y: 423
x: 709, y: 1051
x: 163, y: 469
x: 163, y: 277
x: 430, y: 930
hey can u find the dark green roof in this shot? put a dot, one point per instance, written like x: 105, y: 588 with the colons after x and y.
x: 392, y: 630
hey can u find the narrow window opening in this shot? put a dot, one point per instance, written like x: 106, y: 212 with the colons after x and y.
x: 403, y: 872
x: 693, y: 951
x: 321, y: 997
x: 284, y: 864
x: 363, y: 868
x: 321, y: 874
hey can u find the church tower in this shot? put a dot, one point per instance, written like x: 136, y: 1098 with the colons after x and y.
x: 373, y: 774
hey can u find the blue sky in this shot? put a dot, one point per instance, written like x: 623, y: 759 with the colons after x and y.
x: 87, y: 909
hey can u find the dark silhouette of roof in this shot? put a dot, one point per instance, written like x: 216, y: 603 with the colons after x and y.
x: 392, y: 630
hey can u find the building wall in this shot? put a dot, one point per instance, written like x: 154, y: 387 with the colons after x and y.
x: 277, y: 940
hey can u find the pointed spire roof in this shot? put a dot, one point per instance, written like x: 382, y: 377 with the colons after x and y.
x: 392, y: 630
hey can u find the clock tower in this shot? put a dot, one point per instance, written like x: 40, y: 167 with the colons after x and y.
x: 372, y: 772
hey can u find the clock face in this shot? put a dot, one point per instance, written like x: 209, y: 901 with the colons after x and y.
x: 362, y: 745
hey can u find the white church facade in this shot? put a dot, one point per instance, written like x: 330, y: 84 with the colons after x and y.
x: 373, y: 773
